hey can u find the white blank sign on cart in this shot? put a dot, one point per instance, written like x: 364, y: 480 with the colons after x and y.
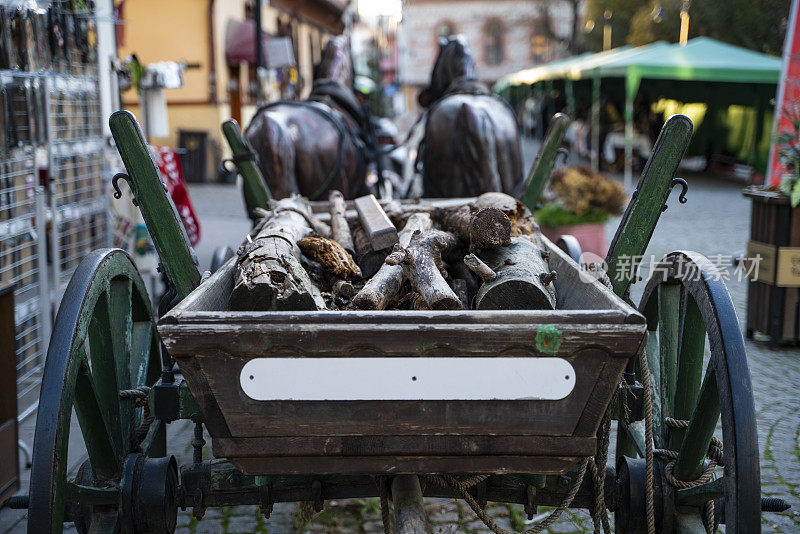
x: 367, y: 379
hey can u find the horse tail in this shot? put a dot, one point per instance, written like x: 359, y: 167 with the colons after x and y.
x: 478, y: 149
x: 276, y: 153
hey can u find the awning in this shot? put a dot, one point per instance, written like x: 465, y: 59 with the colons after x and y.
x: 240, y: 39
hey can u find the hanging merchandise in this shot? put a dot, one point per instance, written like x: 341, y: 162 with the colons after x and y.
x: 5, y: 38
x: 39, y: 111
x: 41, y: 33
x: 31, y: 111
x: 58, y: 44
x: 70, y: 48
x: 29, y: 37
x: 80, y: 10
x: 18, y: 57
x: 3, y: 121
x: 19, y: 113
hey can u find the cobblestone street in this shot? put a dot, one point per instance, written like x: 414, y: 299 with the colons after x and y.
x: 714, y: 222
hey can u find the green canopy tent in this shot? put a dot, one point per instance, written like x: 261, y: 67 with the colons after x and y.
x: 702, y: 70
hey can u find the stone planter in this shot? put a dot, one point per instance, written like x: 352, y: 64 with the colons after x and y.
x: 591, y: 236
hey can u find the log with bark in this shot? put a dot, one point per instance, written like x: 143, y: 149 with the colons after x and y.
x: 368, y: 260
x: 269, y: 274
x: 422, y: 262
x: 340, y: 230
x: 524, y: 279
x: 384, y: 285
x: 480, y: 227
x: 522, y: 221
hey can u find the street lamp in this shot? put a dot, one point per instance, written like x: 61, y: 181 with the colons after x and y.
x: 607, y: 30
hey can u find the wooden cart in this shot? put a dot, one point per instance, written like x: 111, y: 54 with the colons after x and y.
x: 585, y: 364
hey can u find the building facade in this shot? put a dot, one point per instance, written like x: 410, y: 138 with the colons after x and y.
x: 199, y: 33
x: 504, y: 35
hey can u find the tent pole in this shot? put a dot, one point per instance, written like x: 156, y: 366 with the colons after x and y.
x: 631, y: 88
x: 570, y: 93
x: 759, y: 125
x: 596, y: 123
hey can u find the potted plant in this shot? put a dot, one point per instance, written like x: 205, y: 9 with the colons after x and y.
x: 788, y: 146
x: 579, y: 201
x: 773, y: 251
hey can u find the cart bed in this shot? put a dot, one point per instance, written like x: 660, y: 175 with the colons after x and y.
x: 592, y: 329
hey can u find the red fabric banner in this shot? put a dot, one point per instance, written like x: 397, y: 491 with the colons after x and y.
x: 170, y: 166
x: 787, y: 104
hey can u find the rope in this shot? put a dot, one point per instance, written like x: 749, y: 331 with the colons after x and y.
x: 460, y: 488
x: 383, y: 491
x: 598, y: 471
x: 305, y: 512
x: 648, y: 438
x: 716, y: 456
x: 137, y: 393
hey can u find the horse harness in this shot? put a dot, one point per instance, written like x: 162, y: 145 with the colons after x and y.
x: 325, y: 96
x: 460, y: 86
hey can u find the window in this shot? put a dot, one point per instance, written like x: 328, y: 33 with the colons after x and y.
x: 445, y: 29
x: 541, y: 44
x: 493, y: 42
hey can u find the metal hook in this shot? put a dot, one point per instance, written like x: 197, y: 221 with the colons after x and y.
x: 117, y: 192
x: 684, y: 188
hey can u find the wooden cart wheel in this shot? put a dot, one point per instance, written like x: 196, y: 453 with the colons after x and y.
x: 104, y: 341
x: 686, y: 303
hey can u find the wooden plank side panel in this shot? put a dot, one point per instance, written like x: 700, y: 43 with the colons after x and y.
x: 356, y: 446
x: 322, y: 465
x: 342, y: 340
x: 248, y: 418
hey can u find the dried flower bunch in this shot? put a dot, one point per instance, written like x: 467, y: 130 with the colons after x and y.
x: 579, y: 195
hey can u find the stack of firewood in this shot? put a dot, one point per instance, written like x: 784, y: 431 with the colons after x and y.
x: 484, y: 255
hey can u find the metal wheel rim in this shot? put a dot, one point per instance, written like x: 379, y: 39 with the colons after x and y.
x: 104, y: 280
x: 698, y: 279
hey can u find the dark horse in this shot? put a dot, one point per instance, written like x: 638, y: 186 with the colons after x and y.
x: 320, y: 144
x: 471, y: 143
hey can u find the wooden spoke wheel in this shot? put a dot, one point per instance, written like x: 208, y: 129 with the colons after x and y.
x: 104, y: 341
x: 686, y: 305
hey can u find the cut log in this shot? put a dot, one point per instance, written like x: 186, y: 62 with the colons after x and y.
x: 384, y: 285
x: 380, y: 230
x: 331, y: 255
x: 522, y: 221
x: 367, y: 259
x: 481, y: 228
x: 344, y: 289
x: 269, y: 274
x: 521, y: 276
x: 340, y: 230
x: 423, y: 266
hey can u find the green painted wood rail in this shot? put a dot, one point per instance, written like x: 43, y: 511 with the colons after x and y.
x: 540, y: 172
x: 158, y: 210
x: 647, y: 202
x: 244, y: 157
